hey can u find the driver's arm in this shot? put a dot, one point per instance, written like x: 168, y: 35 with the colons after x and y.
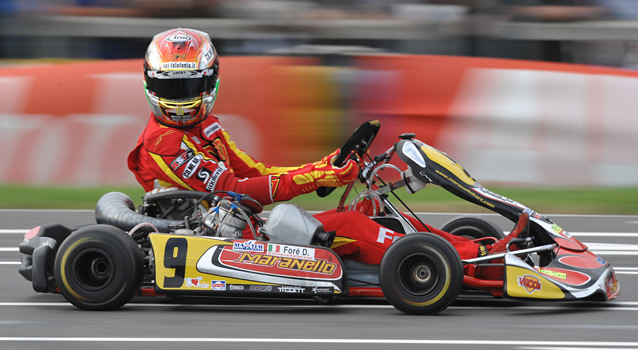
x: 191, y: 168
x: 245, y: 165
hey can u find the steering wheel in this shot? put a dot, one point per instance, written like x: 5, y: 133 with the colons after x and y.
x: 358, y: 143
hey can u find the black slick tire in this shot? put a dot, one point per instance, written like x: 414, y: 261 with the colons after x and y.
x: 99, y: 267
x: 421, y: 274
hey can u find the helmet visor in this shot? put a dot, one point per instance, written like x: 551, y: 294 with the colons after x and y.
x: 180, y: 85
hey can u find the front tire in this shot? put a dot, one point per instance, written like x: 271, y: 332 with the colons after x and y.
x: 421, y: 274
x: 99, y: 267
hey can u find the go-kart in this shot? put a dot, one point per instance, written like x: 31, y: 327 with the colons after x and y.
x: 188, y: 243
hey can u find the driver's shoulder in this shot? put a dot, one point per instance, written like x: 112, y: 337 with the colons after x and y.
x: 163, y: 140
x: 211, y: 128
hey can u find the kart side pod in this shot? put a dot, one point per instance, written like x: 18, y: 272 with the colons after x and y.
x: 212, y: 266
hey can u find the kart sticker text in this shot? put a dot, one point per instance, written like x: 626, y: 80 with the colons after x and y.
x: 384, y: 234
x: 192, y: 165
x: 529, y: 283
x: 218, y: 285
x: 287, y: 251
x: 552, y: 273
x: 320, y: 266
x: 181, y: 159
x: 291, y: 289
x: 250, y: 246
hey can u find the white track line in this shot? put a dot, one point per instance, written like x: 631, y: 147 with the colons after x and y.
x: 567, y: 348
x: 604, y: 306
x: 47, y: 210
x: 13, y: 231
x: 181, y: 340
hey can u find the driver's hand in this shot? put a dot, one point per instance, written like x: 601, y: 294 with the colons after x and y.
x: 328, y: 175
x: 323, y: 173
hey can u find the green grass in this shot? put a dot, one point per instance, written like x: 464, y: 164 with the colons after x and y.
x: 29, y: 197
x: 619, y: 201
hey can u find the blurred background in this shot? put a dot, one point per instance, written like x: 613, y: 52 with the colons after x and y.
x: 536, y: 93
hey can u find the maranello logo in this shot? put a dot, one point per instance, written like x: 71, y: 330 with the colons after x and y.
x: 530, y: 283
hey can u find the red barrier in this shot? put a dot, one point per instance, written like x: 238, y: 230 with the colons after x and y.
x: 415, y: 93
x: 551, y: 123
x: 74, y: 123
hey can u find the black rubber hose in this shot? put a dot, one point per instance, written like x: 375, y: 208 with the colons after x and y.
x: 117, y: 209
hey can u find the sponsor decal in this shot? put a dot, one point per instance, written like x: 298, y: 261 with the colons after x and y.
x: 287, y: 251
x: 482, y: 250
x: 319, y: 266
x: 179, y: 115
x: 611, y: 284
x: 559, y: 230
x: 210, y: 186
x: 192, y: 165
x: 218, y: 285
x: 529, y: 283
x: 463, y: 188
x: 567, y: 276
x: 209, y: 54
x: 321, y: 290
x: 601, y: 261
x: 260, y: 288
x: 203, y: 175
x: 179, y: 38
x: 181, y: 159
x: 236, y: 287
x: 194, y: 283
x: 552, y: 273
x: 179, y: 65
x: 179, y: 73
x: 250, y: 246
x: 498, y: 197
x: 211, y: 129
x: 384, y: 234
x: 290, y: 289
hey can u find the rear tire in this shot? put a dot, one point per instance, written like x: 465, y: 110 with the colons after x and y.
x: 99, y: 267
x: 421, y: 274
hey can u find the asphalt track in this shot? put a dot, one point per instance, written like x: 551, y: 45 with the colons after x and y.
x: 29, y: 320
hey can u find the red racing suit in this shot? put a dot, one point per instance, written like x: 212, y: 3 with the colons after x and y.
x: 204, y: 158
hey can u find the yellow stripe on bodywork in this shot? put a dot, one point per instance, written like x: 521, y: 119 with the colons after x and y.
x: 167, y: 170
x: 339, y: 241
x: 259, y: 166
x: 448, y: 163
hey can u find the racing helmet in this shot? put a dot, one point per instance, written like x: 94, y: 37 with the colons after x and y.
x: 181, y: 76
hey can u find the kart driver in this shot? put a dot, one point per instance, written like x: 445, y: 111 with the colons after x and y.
x: 185, y: 146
